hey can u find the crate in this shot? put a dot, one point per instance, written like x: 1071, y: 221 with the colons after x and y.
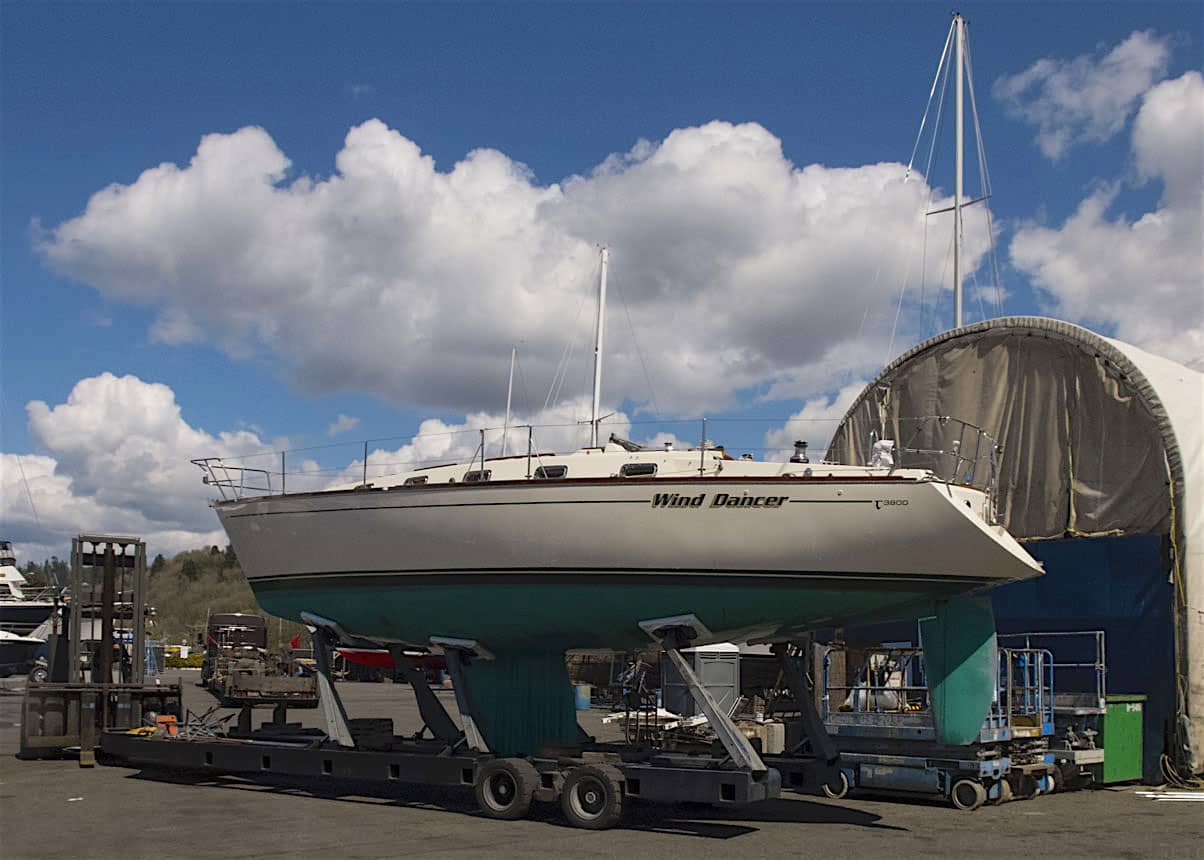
x: 717, y: 667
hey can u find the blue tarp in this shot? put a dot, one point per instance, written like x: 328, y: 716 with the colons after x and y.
x: 1116, y: 584
x: 1119, y: 585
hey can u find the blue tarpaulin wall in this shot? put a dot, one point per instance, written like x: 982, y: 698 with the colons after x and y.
x: 1116, y: 584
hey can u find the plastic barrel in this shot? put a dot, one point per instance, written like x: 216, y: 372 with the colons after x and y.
x: 581, y: 695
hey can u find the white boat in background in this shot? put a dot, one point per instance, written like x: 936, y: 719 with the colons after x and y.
x: 20, y: 654
x: 21, y: 611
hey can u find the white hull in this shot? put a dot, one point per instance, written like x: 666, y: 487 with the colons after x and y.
x: 875, y: 528
x: 574, y: 551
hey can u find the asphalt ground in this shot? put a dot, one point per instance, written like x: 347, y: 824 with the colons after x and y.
x: 55, y: 809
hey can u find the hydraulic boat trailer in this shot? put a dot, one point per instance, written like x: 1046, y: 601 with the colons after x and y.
x: 592, y: 782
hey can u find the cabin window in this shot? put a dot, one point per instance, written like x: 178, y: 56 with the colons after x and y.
x: 477, y: 476
x: 415, y: 481
x: 551, y: 472
x: 637, y: 470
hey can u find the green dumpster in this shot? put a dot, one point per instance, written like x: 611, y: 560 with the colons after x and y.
x: 1120, y: 737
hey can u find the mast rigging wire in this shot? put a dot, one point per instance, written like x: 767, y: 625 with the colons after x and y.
x: 931, y: 90
x: 942, y: 74
x: 639, y: 353
x: 28, y: 494
x: 984, y: 176
x: 562, y: 368
x: 986, y: 191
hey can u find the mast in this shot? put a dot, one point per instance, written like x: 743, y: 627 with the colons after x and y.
x: 598, y: 330
x: 959, y: 26
x: 509, y: 392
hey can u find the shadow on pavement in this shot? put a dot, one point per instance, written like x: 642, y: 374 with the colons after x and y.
x: 702, y: 821
x: 709, y: 821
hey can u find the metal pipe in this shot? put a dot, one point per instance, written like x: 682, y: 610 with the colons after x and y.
x: 509, y: 392
x: 365, y: 462
x: 530, y: 433
x: 282, y: 455
x: 960, y: 38
x: 74, y: 672
x: 598, y: 332
x: 702, y: 449
x: 139, y: 586
x: 106, y: 616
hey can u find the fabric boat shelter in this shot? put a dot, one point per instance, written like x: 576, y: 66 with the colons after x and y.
x: 1099, y: 470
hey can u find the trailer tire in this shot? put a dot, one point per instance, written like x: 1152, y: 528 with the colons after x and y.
x: 967, y: 795
x: 1005, y: 791
x: 593, y: 796
x: 838, y: 787
x: 505, y: 787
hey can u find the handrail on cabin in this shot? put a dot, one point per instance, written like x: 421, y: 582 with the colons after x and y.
x: 954, y: 450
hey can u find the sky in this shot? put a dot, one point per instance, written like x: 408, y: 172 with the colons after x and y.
x: 229, y: 229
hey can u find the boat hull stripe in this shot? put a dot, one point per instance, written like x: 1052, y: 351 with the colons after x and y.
x: 644, y: 502
x: 596, y: 576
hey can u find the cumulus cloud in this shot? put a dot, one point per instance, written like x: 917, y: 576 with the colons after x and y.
x: 116, y: 461
x: 342, y: 424
x: 814, y: 424
x: 560, y: 428
x: 1144, y: 277
x: 118, y: 453
x: 738, y: 269
x: 1088, y: 98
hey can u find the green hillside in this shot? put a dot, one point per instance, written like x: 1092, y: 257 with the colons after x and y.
x: 185, y: 589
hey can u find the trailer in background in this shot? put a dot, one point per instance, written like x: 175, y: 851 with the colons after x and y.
x: 240, y: 672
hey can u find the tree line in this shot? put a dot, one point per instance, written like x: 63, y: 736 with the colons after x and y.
x: 183, y: 590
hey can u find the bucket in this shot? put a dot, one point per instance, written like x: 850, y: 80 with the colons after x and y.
x: 581, y: 694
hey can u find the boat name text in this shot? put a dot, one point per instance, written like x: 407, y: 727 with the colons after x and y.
x: 720, y: 500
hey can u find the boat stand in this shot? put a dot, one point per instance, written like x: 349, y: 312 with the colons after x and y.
x: 324, y: 637
x: 673, y: 634
x: 246, y: 717
x: 811, y: 763
x: 815, y: 734
x: 459, y: 653
x: 435, y: 717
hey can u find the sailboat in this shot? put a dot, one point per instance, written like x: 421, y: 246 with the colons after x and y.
x: 533, y: 554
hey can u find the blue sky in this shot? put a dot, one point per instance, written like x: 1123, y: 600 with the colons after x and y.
x: 97, y: 93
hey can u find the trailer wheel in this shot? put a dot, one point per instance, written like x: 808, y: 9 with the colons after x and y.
x: 504, y: 788
x: 838, y: 787
x: 39, y: 674
x: 967, y: 794
x: 593, y: 796
x: 1005, y: 791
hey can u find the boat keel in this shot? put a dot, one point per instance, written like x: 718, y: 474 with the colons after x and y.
x: 961, y: 660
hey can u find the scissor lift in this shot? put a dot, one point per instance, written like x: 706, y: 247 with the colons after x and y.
x: 887, y: 740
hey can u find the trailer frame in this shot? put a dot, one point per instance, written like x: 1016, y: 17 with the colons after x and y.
x: 591, y: 781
